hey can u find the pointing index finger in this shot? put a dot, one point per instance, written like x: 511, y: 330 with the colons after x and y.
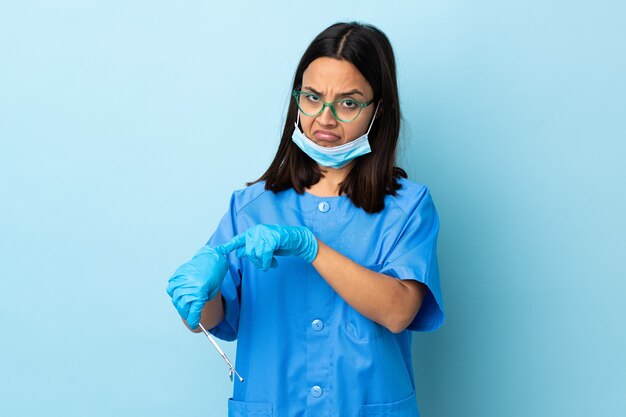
x: 235, y: 243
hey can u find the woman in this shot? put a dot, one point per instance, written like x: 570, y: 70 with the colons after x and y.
x: 322, y: 265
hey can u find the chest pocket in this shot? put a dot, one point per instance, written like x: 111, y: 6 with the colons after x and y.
x: 359, y: 327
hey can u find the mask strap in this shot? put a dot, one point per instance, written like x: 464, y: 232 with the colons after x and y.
x: 373, y: 117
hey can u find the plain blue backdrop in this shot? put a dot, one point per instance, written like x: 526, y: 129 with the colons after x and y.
x: 124, y: 128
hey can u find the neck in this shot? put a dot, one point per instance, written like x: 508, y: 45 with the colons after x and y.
x: 331, y: 180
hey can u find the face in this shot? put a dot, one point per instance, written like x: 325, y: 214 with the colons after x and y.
x: 330, y: 78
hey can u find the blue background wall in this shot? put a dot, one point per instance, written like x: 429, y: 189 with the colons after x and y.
x: 123, y: 134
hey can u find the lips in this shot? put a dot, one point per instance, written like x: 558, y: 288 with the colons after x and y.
x: 325, y: 135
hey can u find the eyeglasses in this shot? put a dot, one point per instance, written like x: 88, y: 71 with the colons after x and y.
x: 345, y: 110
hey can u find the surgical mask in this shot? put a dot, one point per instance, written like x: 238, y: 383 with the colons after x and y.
x: 336, y: 156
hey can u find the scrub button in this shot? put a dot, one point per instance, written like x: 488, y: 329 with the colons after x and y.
x: 316, y: 391
x: 323, y: 207
x: 317, y: 325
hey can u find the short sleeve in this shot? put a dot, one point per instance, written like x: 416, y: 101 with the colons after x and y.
x: 231, y: 286
x: 414, y: 256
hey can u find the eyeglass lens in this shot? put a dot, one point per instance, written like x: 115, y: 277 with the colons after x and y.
x: 346, y: 110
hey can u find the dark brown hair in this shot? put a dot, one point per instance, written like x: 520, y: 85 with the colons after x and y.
x: 373, y: 175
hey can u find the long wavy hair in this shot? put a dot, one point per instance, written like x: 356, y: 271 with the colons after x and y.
x: 373, y: 175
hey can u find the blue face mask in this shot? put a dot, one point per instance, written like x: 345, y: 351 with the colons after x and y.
x: 337, y: 156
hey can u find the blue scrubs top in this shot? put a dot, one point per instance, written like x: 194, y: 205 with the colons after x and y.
x: 302, y: 350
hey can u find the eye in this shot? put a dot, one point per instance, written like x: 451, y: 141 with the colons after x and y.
x: 312, y: 98
x: 350, y: 104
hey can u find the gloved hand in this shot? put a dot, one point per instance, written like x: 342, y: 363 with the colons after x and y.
x: 196, y: 282
x: 262, y: 242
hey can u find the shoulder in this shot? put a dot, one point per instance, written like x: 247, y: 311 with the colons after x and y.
x: 247, y: 195
x: 410, y: 195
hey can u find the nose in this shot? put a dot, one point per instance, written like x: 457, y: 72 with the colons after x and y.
x: 326, y: 118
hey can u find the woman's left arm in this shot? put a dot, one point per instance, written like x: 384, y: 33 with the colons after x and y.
x: 388, y: 301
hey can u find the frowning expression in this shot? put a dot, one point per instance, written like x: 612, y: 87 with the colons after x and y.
x: 334, y: 79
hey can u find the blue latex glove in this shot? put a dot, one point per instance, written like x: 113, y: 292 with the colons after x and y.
x: 262, y: 242
x: 196, y: 282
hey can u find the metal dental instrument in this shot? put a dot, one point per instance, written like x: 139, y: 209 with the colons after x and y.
x: 221, y: 352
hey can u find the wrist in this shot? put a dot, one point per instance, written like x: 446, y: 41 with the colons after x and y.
x: 312, y: 247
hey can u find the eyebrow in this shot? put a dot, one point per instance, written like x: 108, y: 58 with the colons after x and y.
x: 347, y: 93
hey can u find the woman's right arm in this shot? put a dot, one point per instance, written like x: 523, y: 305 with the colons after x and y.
x: 212, y: 314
